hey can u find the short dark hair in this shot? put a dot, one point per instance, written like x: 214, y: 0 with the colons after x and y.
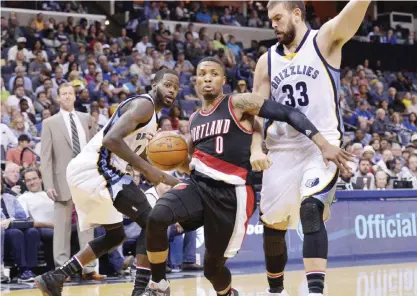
x: 30, y: 170
x: 162, y: 119
x: 161, y: 73
x: 289, y: 5
x: 364, y: 159
x: 214, y: 60
x: 23, y: 138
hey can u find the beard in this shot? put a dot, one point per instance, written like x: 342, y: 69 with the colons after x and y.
x: 288, y: 36
x: 210, y: 97
x: 160, y: 98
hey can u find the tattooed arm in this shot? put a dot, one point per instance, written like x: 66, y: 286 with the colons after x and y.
x: 254, y: 104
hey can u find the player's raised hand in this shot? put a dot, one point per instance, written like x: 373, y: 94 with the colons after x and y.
x: 260, y: 161
x: 337, y: 155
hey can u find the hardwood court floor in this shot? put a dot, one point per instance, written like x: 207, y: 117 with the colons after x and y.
x: 374, y: 280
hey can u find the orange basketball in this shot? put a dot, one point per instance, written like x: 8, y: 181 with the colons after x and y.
x: 167, y: 150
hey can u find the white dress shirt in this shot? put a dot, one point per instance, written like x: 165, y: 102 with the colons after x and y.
x: 38, y: 206
x: 81, y: 132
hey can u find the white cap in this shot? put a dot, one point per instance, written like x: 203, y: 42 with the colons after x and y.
x: 21, y: 39
x: 413, y: 138
x: 368, y: 148
x: 106, y: 46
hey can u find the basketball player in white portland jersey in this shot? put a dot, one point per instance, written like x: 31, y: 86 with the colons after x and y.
x: 301, y: 71
x: 101, y: 189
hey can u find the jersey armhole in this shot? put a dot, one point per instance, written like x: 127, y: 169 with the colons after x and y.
x: 326, y: 64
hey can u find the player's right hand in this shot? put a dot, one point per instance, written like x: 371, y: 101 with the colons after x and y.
x: 260, y: 161
x: 52, y: 194
x: 337, y: 155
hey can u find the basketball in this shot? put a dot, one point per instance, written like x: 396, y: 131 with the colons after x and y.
x: 167, y: 150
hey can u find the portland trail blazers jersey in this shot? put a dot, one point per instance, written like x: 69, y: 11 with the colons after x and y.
x: 221, y: 144
x: 305, y: 81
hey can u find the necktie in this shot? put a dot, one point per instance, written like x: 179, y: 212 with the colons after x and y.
x: 75, y: 140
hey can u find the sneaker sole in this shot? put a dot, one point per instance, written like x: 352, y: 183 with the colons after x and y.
x: 41, y: 286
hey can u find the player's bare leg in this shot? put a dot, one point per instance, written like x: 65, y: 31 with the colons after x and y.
x: 51, y: 283
x: 275, y: 250
x: 315, y: 245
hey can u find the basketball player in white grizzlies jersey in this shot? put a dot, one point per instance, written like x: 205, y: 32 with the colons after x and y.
x: 301, y: 71
x: 100, y: 187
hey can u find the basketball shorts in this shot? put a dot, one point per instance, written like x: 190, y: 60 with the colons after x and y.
x: 294, y: 175
x: 93, y: 189
x: 223, y: 209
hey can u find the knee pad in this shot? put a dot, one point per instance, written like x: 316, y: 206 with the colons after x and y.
x: 132, y: 202
x: 159, y: 219
x: 311, y: 215
x: 141, y: 243
x: 216, y: 271
x: 161, y: 216
x: 315, y: 243
x: 108, y: 242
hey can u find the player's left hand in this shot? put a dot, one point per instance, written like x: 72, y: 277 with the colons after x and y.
x: 150, y: 136
x: 337, y: 155
x: 260, y: 161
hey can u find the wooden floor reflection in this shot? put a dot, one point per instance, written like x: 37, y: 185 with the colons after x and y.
x: 376, y: 280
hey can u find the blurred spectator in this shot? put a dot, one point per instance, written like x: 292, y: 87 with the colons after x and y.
x: 174, y: 117
x: 190, y: 93
x: 21, y: 239
x: 203, y: 16
x: 19, y: 47
x: 165, y: 124
x: 241, y: 87
x: 409, y: 173
x: 40, y: 208
x: 386, y: 164
x: 181, y: 12
x: 363, y: 178
x: 19, y: 155
x: 228, y: 19
x: 381, y: 122
x: 381, y: 180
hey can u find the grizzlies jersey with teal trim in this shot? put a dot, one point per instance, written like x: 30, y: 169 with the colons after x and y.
x: 304, y: 80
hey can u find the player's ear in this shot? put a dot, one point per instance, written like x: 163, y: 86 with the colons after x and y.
x: 153, y: 84
x: 224, y: 79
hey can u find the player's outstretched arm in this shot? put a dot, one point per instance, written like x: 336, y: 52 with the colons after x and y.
x: 139, y: 111
x: 342, y: 27
x: 254, y: 104
x: 262, y: 86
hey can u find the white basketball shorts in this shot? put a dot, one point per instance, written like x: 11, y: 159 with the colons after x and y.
x: 294, y: 175
x: 93, y: 186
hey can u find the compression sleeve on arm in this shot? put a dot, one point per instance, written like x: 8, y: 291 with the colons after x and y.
x: 279, y: 112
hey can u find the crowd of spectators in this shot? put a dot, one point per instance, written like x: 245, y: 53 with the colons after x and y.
x: 378, y: 107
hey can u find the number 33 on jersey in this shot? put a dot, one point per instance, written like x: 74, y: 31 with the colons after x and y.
x: 307, y: 82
